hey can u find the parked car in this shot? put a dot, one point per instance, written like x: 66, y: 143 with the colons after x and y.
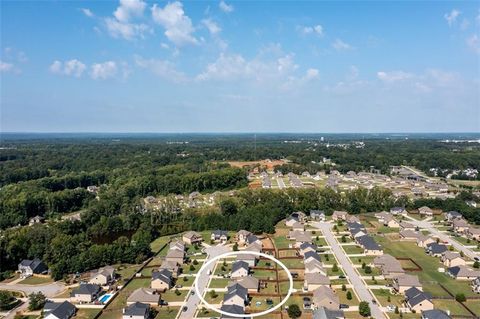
x: 344, y: 306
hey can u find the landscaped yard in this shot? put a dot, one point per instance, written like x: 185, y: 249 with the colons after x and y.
x: 352, y: 249
x: 281, y: 242
x: 383, y: 295
x: 158, y: 243
x: 170, y: 295
x: 343, y: 297
x: 167, y: 312
x: 83, y: 313
x: 454, y: 307
x: 218, y: 283
x: 33, y: 280
x: 293, y: 263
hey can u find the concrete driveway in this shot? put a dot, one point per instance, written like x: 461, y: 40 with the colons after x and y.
x: 193, y: 301
x: 351, y: 273
x: 49, y: 290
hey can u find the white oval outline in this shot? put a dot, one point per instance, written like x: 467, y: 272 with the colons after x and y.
x: 234, y: 253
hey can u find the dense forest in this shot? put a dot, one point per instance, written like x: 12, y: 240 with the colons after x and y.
x: 48, y: 177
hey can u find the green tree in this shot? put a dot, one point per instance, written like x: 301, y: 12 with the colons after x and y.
x: 364, y: 309
x: 368, y: 270
x: 344, y: 288
x: 6, y: 300
x: 37, y: 301
x: 335, y: 267
x: 349, y: 295
x: 294, y: 311
x: 476, y: 264
x: 460, y: 297
x: 213, y: 294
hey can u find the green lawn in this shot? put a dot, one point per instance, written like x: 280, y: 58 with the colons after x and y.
x: 167, y: 312
x: 281, y: 242
x: 83, y: 313
x: 126, y: 271
x: 343, y: 297
x: 32, y: 280
x: 454, y: 307
x: 474, y: 305
x: 429, y: 264
x: 217, y: 299
x: 353, y: 249
x: 383, y: 295
x: 185, y: 281
x: 265, y: 274
x: 293, y: 263
x: 159, y: 242
x: 170, y: 295
x: 218, y: 283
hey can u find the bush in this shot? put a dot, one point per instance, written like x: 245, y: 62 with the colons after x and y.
x: 335, y: 267
x: 195, y: 262
x: 364, y: 309
x: 349, y: 295
x: 294, y: 311
x: 368, y: 269
x: 344, y: 288
x: 460, y: 297
x: 37, y: 301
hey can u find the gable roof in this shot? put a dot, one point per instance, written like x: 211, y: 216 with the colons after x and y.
x: 144, y: 295
x: 435, y: 314
x: 192, y: 234
x: 36, y: 265
x: 436, y: 248
x: 415, y: 296
x: 312, y: 254
x: 136, y: 309
x: 322, y: 293
x: 325, y: 313
x: 62, y: 310
x: 239, y: 264
x: 220, y: 233
x: 164, y: 275
x: 249, y: 282
x: 463, y: 271
x: 408, y: 280
x: 86, y: 289
x: 368, y: 243
x: 236, y: 290
x: 316, y: 279
x: 234, y: 309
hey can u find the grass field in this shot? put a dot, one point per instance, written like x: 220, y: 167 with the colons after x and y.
x: 281, y: 242
x: 167, y: 312
x: 353, y: 249
x: 159, y: 242
x: 32, y: 280
x: 454, y: 307
x: 218, y: 283
x: 170, y: 295
x: 83, y: 313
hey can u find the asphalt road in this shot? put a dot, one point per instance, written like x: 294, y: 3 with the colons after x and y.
x: 193, y: 300
x: 49, y: 290
x: 443, y: 237
x: 358, y: 284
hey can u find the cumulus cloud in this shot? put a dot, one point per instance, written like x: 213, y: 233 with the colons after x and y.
x: 311, y: 74
x: 120, y: 25
x: 128, y: 9
x: 452, y: 16
x: 225, y: 7
x: 212, y: 26
x: 340, y: 45
x: 6, y: 67
x: 473, y: 42
x: 103, y: 71
x: 162, y: 68
x: 72, y: 67
x: 393, y: 76
x: 316, y: 29
x: 178, y: 26
x: 87, y: 12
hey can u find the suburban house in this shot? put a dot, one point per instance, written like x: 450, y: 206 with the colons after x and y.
x: 311, y: 255
x: 175, y: 256
x: 161, y: 280
x: 236, y: 295
x: 144, y: 295
x: 476, y: 285
x: 290, y: 221
x: 250, y: 259
x: 318, y: 215
x: 35, y: 220
x: 239, y: 269
x: 324, y: 313
x: 339, y: 215
x: 177, y: 245
x: 418, y: 300
x: 324, y: 296
x: 300, y: 216
x: 313, y: 281
x: 171, y: 266
x: 423, y: 241
x: 300, y: 237
x: 460, y: 226
x: 435, y: 314
x: 370, y: 246
x: 234, y: 309
x: 435, y: 249
x: 252, y: 239
x: 192, y: 237
x: 409, y: 234
x: 358, y: 232
x: 298, y: 226
x: 404, y: 282
x: 103, y: 276
x: 389, y: 266
x: 85, y: 293
x: 391, y: 222
x: 398, y: 211
x: 219, y: 236
x: 407, y: 226
x: 452, y: 215
x: 241, y: 236
x: 306, y: 247
x: 452, y: 259
x: 136, y: 310
x: 251, y: 283
x: 58, y: 310
x: 463, y: 273
x: 425, y: 211
x: 314, y: 267
x: 29, y: 268
x: 353, y: 219
x: 473, y: 233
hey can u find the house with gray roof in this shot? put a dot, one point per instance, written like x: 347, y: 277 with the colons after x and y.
x: 370, y: 246
x: 103, y: 276
x: 435, y: 314
x: 240, y: 268
x: 58, y: 310
x: 312, y: 281
x: 162, y: 280
x: 219, y: 235
x: 29, y: 267
x: 311, y: 255
x: 403, y: 282
x: 236, y: 295
x: 435, y: 249
x: 136, y: 310
x: 233, y: 309
x: 463, y: 272
x: 324, y: 296
x: 418, y: 300
x: 251, y: 283
x: 452, y: 215
x: 318, y: 215
x: 85, y: 293
x: 325, y: 313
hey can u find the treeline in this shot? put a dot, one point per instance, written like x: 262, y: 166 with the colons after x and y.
x: 260, y: 210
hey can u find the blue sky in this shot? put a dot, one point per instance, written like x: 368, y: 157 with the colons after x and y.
x: 240, y: 66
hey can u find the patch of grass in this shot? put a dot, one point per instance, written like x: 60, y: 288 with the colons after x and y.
x: 281, y: 242
x: 170, y: 295
x: 33, y: 280
x: 454, y: 307
x: 353, y: 249
x: 84, y: 313
x: 218, y: 283
x: 167, y: 312
x: 158, y: 243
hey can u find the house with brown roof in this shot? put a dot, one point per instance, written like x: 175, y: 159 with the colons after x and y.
x: 144, y: 295
x: 175, y: 256
x: 339, y: 215
x: 103, y: 276
x: 460, y: 226
x: 403, y: 282
x: 425, y: 211
x: 324, y: 296
x: 313, y: 281
x: 409, y: 234
x: 463, y: 272
x: 241, y: 236
x: 314, y: 267
x: 389, y: 266
x: 407, y: 226
x: 473, y: 233
x: 251, y: 283
x: 423, y: 241
x: 192, y: 237
x: 451, y: 259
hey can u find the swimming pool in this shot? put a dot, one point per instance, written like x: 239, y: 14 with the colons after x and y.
x: 104, y: 299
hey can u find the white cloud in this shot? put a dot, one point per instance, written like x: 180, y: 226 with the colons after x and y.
x: 162, y: 68
x: 473, y: 43
x: 6, y: 67
x: 316, y: 29
x: 212, y: 26
x: 103, y: 71
x: 340, y: 45
x: 87, y: 12
x: 393, y: 76
x: 225, y: 7
x: 452, y: 16
x: 178, y: 26
x: 72, y: 67
x: 311, y: 74
x: 129, y: 9
x: 286, y: 64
